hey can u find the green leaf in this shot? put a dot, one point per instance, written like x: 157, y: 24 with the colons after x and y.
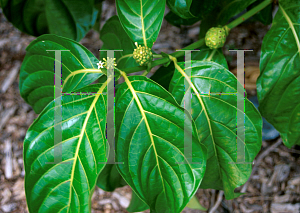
x: 141, y: 19
x: 110, y: 178
x: 181, y: 8
x: 187, y: 12
x: 201, y: 8
x: 207, y: 54
x: 71, y: 19
x: 114, y: 37
x: 195, y: 204
x: 177, y: 21
x: 225, y: 10
x: 66, y: 186
x: 98, y: 6
x: 164, y: 75
x: 79, y: 69
x: 136, y: 204
x: 279, y: 80
x: 215, y: 118
x: 230, y: 8
x: 265, y: 15
x: 150, y: 143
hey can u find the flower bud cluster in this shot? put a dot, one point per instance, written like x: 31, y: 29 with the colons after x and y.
x: 142, y: 55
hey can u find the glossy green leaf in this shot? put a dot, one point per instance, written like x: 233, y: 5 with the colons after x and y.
x: 164, y: 75
x: 110, y: 178
x: 278, y: 85
x: 98, y: 6
x: 195, y: 204
x: 215, y: 118
x: 181, y: 8
x: 150, y: 143
x: 207, y: 54
x: 265, y: 15
x: 230, y: 8
x: 79, y: 69
x: 114, y: 37
x: 141, y: 19
x: 66, y: 186
x: 71, y: 19
x: 136, y: 204
x: 177, y: 21
x: 222, y: 13
x: 201, y: 8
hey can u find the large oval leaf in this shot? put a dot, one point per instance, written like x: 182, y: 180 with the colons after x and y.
x: 181, y: 8
x: 215, y: 118
x: 68, y: 185
x: 150, y: 143
x: 141, y: 19
x: 265, y: 15
x: 114, y: 37
x: 177, y: 21
x: 110, y: 178
x: 278, y: 85
x: 79, y: 69
x: 164, y: 74
x: 191, y: 10
x: 225, y: 10
x: 71, y: 19
x: 207, y: 54
x: 136, y: 204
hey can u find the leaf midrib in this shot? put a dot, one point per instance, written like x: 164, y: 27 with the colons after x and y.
x: 97, y: 95
x: 203, y: 107
x: 143, y: 27
x: 146, y: 123
x: 289, y: 21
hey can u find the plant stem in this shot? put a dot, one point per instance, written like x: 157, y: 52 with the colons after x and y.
x: 249, y: 14
x: 201, y: 42
x: 157, y: 56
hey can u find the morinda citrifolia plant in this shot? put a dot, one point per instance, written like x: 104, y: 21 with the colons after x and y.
x: 149, y: 113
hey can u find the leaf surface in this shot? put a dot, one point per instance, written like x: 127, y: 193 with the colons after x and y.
x: 278, y: 85
x: 225, y: 10
x: 265, y: 15
x: 71, y: 19
x: 181, y: 8
x: 195, y: 204
x: 114, y: 37
x: 79, y: 69
x: 150, y: 143
x: 177, y: 21
x: 215, y: 118
x: 110, y: 178
x: 141, y: 19
x: 66, y: 186
x: 136, y: 204
x: 207, y: 54
x: 164, y: 74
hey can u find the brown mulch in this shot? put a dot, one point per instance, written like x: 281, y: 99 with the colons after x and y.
x: 273, y: 187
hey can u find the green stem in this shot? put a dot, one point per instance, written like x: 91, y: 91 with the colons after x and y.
x: 249, y: 14
x: 201, y: 42
x: 157, y: 56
